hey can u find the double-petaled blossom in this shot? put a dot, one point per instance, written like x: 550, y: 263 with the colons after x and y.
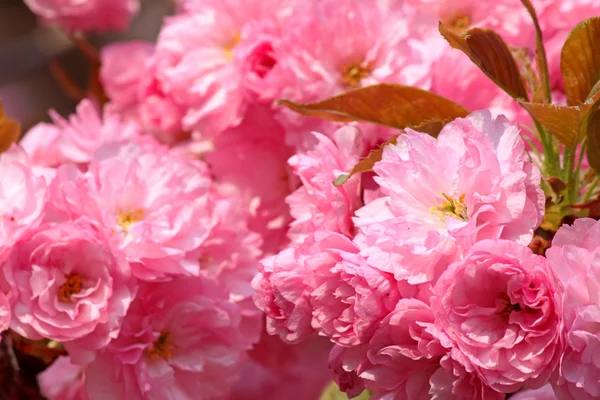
x: 154, y: 205
x: 574, y: 258
x: 66, y: 283
x: 180, y: 340
x: 498, y: 311
x: 442, y: 195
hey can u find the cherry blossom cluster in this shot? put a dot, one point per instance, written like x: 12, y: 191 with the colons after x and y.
x: 186, y: 239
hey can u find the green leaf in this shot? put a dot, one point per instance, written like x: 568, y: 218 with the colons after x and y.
x: 10, y: 131
x: 332, y: 392
x: 569, y: 124
x: 580, y: 60
x: 387, y: 104
x: 491, y: 54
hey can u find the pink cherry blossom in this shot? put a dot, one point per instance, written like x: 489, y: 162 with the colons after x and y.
x: 86, y: 15
x: 196, y: 60
x: 318, y: 204
x: 374, y: 43
x: 67, y: 284
x: 123, y: 66
x: 452, y: 381
x: 474, y: 182
x: 573, y: 257
x: 23, y: 196
x: 155, y: 206
x: 250, y: 162
x: 63, y: 380
x: 500, y: 310
x: 348, y: 297
x: 77, y: 139
x: 403, y: 354
x: 282, y: 294
x: 180, y: 340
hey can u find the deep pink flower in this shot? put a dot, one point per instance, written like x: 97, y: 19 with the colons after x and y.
x: 23, y: 195
x: 452, y: 381
x: 180, y: 340
x: 77, y: 139
x: 63, y: 380
x: 403, y: 354
x: 500, y: 310
x: 348, y: 297
x: 318, y: 204
x: 67, y: 284
x: 86, y: 15
x: 442, y: 195
x: 154, y: 205
x: 573, y: 257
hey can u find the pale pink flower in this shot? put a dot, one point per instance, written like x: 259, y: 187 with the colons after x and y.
x: 122, y: 69
x: 452, y: 381
x: 250, y: 162
x: 346, y: 378
x: 67, y: 284
x: 197, y: 62
x: 500, y: 310
x: 230, y: 256
x: 23, y: 195
x: 86, y: 15
x: 75, y: 140
x: 318, y: 204
x: 403, y: 354
x: 282, y: 294
x: 573, y: 257
x: 348, y: 298
x: 155, y: 206
x: 507, y: 17
x: 468, y: 86
x: 63, y: 380
x: 180, y: 340
x: 374, y: 43
x: 473, y: 182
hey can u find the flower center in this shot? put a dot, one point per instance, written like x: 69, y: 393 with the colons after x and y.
x: 162, y: 347
x: 228, y: 48
x: 73, y: 285
x: 451, y: 207
x: 126, y: 219
x: 354, y: 73
x: 458, y: 22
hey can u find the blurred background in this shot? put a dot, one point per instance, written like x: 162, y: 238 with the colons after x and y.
x: 27, y: 86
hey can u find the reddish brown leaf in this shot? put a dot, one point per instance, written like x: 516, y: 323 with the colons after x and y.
x: 580, y: 60
x: 541, y: 61
x: 491, y: 54
x: 10, y: 131
x: 568, y: 123
x: 388, y: 104
x: 593, y: 143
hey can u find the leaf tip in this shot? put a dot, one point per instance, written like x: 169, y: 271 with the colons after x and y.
x: 340, y: 180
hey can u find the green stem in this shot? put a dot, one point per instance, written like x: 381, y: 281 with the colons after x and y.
x: 590, y: 189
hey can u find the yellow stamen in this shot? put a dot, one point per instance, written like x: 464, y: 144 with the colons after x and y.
x: 452, y: 207
x: 162, y: 347
x: 228, y: 48
x: 353, y: 74
x: 458, y: 22
x: 73, y: 285
x: 126, y: 219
